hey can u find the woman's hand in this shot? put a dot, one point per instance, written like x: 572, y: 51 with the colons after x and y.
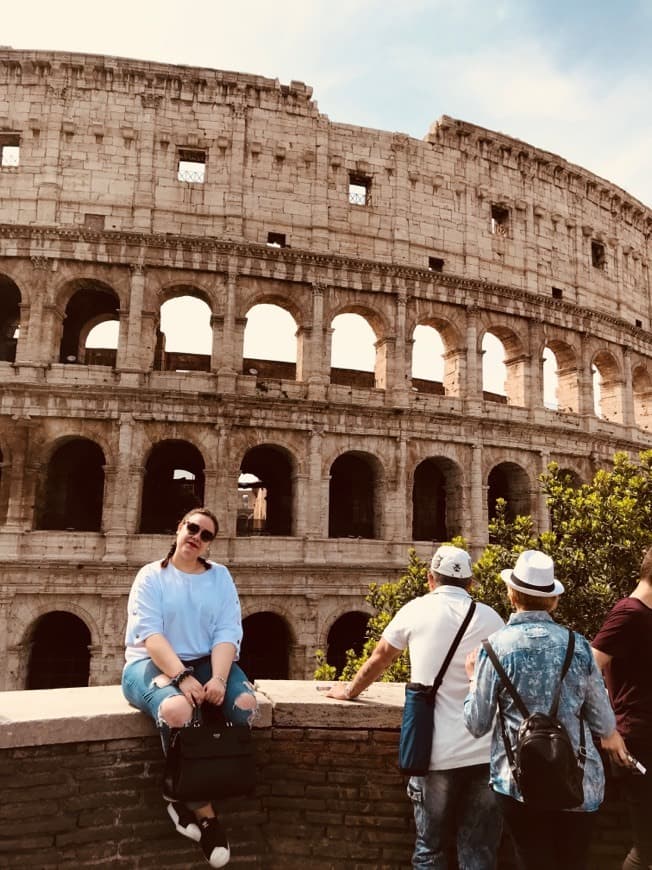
x: 213, y: 691
x: 192, y: 690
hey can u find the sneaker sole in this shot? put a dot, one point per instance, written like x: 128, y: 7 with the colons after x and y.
x: 220, y: 860
x: 191, y: 831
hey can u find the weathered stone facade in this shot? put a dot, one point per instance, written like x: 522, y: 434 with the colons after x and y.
x: 467, y: 231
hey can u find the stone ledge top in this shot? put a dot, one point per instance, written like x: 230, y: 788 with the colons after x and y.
x: 51, y: 716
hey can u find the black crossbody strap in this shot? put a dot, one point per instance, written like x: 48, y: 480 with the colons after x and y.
x: 451, y: 652
x: 570, y: 649
x: 505, y: 680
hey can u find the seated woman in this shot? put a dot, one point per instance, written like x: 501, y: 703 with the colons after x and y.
x: 531, y: 649
x: 183, y: 636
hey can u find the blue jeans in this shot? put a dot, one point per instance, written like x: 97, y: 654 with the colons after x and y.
x: 139, y: 686
x: 458, y: 807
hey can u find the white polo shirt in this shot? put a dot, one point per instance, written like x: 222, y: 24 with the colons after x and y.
x: 427, y: 626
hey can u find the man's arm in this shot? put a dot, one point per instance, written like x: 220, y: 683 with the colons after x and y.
x: 613, y: 744
x: 378, y: 662
x: 601, y: 659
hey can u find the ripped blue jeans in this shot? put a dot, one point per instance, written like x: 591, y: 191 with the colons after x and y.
x: 141, y: 690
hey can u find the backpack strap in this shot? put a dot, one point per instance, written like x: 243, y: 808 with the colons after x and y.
x: 570, y: 649
x: 453, y: 647
x: 505, y: 680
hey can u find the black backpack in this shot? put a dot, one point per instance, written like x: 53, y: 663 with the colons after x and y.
x: 547, y: 770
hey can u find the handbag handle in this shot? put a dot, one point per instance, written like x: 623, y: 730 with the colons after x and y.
x: 451, y: 652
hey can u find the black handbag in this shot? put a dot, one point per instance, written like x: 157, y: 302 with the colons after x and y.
x: 418, y: 723
x: 209, y: 759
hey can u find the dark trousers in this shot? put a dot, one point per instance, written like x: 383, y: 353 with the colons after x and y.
x: 557, y: 840
x: 637, y: 793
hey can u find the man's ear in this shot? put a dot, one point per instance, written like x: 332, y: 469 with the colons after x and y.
x: 431, y: 580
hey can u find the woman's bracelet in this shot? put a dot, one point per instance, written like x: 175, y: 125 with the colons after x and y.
x: 220, y: 678
x: 186, y: 672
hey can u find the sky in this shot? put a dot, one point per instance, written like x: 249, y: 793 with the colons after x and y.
x: 572, y: 78
x: 569, y: 77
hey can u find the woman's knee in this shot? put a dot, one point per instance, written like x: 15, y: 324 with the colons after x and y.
x: 175, y: 711
x: 245, y: 709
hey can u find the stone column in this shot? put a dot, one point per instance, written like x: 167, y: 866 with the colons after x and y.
x: 315, y: 506
x: 400, y: 357
x: 585, y: 381
x: 542, y: 506
x: 477, y: 533
x: 35, y: 345
x: 233, y: 208
x: 629, y: 417
x: 225, y: 482
x: 144, y: 186
x: 132, y: 354
x: 226, y: 356
x: 473, y: 386
x: 397, y: 528
x: 313, y: 365
x: 6, y: 684
x: 118, y: 520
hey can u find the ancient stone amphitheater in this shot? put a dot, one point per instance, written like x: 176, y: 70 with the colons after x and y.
x: 125, y: 185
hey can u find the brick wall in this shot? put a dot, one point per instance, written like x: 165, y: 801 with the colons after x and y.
x: 329, y: 794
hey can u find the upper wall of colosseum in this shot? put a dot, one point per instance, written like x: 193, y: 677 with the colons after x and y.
x: 106, y: 144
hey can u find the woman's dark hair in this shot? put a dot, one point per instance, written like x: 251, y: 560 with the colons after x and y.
x: 205, y: 512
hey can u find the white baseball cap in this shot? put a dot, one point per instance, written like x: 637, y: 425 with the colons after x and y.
x: 451, y: 562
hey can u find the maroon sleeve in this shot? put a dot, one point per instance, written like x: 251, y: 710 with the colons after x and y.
x: 615, y: 636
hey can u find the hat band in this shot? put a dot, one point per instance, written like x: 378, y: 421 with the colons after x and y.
x: 519, y: 582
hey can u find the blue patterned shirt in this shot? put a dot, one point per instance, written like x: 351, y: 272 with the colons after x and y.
x: 531, y: 648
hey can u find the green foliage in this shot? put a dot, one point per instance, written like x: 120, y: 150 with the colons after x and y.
x: 323, y: 671
x: 600, y: 532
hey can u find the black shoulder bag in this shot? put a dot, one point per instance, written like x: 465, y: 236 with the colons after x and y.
x: 547, y: 770
x: 418, y: 723
x: 209, y: 759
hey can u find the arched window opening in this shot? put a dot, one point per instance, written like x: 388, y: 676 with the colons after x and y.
x: 353, y: 351
x: 561, y: 389
x: 427, y: 360
x: 93, y: 303
x: 9, y: 318
x: 511, y: 483
x: 173, y: 485
x: 642, y: 392
x: 59, y: 655
x: 101, y: 345
x: 352, y: 508
x: 270, y: 343
x: 185, y: 340
x: 74, y: 488
x: 265, y: 492
x: 494, y: 372
x: 347, y: 633
x: 265, y: 652
x: 550, y: 380
x: 607, y: 388
x: 570, y: 478
x: 436, y: 500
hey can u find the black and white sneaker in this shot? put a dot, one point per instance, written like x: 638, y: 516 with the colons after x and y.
x: 213, y: 842
x: 184, y: 820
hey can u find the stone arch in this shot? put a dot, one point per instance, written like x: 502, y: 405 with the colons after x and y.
x: 608, y: 387
x: 281, y: 363
x: 452, y: 356
x: 72, y: 492
x: 267, y: 504
x: 267, y: 643
x: 347, y: 632
x: 355, y: 376
x: 436, y: 499
x: 58, y: 651
x: 515, y: 361
x: 173, y: 484
x: 195, y: 348
x: 568, y: 376
x: 10, y: 301
x: 87, y: 301
x: 355, y: 496
x: 511, y: 482
x: 572, y: 477
x: 642, y: 396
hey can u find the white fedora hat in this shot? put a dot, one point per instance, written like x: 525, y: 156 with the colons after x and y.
x: 533, y: 574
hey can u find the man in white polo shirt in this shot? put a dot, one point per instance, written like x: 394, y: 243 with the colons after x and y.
x: 453, y: 801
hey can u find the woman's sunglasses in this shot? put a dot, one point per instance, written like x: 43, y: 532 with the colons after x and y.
x: 204, y: 534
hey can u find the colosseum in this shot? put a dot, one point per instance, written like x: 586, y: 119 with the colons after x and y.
x: 127, y: 187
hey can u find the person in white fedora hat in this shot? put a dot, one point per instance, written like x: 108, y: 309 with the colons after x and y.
x: 451, y: 802
x: 531, y: 649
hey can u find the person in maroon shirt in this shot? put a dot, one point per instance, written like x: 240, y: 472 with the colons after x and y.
x: 623, y: 651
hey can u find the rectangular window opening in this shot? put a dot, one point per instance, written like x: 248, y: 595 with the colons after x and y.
x: 435, y: 264
x: 9, y: 149
x: 499, y: 220
x: 191, y: 166
x: 598, y: 256
x: 276, y: 240
x: 639, y: 324
x: 557, y: 293
x: 94, y: 221
x: 359, y: 189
